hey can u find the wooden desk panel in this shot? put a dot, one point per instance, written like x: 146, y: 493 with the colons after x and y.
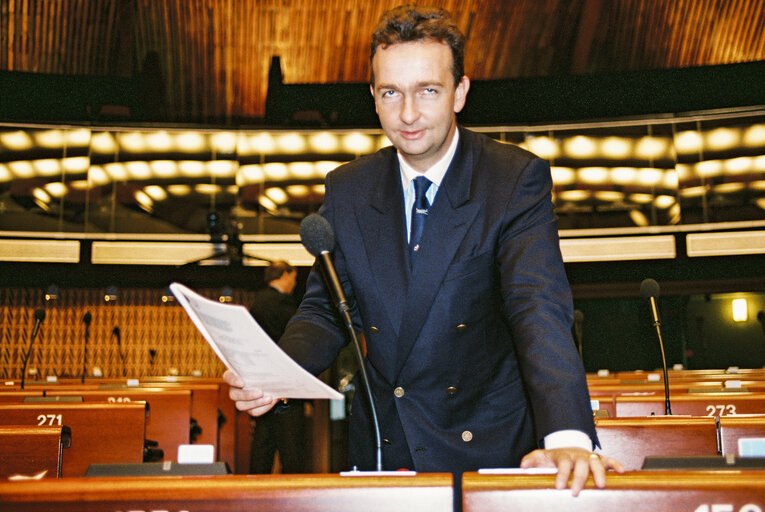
x: 712, y: 404
x: 264, y: 493
x: 29, y: 450
x: 17, y: 396
x: 630, y: 440
x: 169, y: 412
x: 649, y: 491
x: 734, y: 427
x: 101, y: 433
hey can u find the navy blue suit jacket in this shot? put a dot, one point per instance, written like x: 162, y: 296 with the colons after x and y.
x: 470, y: 354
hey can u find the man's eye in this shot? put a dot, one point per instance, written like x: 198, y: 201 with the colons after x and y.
x: 388, y: 94
x: 429, y: 90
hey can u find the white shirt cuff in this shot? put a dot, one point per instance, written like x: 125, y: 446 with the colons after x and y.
x: 568, y: 439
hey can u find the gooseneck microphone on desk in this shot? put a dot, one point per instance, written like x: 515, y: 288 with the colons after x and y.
x: 86, y: 319
x: 118, y: 336
x: 39, y: 317
x: 317, y: 236
x: 649, y: 289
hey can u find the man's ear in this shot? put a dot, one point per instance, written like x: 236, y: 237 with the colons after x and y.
x: 460, y: 93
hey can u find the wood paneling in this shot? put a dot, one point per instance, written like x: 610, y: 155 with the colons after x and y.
x: 213, y: 55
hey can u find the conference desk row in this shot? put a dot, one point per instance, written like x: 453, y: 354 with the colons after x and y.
x: 655, y: 491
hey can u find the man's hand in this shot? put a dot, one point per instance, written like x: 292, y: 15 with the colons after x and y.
x: 574, y: 462
x: 253, y: 401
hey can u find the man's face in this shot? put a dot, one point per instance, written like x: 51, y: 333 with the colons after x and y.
x: 416, y: 100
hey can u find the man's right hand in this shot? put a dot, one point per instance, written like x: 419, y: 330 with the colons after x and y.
x: 252, y: 401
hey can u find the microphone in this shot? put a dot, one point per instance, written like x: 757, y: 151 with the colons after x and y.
x: 86, y: 319
x: 118, y: 334
x: 649, y: 289
x: 39, y: 316
x: 317, y: 236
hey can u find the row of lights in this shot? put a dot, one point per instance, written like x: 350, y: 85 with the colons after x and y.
x: 194, y: 141
x: 165, y: 169
x: 99, y: 175
x: 689, y: 142
x: 356, y: 142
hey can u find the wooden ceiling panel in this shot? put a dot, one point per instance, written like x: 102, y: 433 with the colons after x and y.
x: 212, y: 56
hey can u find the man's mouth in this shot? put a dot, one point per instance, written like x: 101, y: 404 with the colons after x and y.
x: 412, y: 134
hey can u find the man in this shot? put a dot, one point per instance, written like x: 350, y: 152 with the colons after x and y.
x: 468, y: 319
x: 281, y: 430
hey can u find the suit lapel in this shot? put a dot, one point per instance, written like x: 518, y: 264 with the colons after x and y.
x: 451, y: 215
x: 383, y: 229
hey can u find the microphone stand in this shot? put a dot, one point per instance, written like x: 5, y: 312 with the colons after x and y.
x: 649, y: 289
x: 86, y: 320
x: 344, y: 309
x: 657, y: 325
x: 39, y: 317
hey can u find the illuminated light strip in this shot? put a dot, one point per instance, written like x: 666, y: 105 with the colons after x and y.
x: 725, y: 244
x: 618, y: 248
x: 293, y: 253
x: 151, y: 253
x: 178, y: 253
x: 47, y: 251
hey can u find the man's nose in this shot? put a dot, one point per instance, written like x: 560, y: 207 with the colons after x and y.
x: 409, y: 110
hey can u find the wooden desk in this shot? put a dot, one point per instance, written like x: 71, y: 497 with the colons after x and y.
x: 169, y: 411
x: 100, y: 432
x: 209, y: 395
x: 649, y: 491
x: 264, y: 493
x: 630, y: 440
x: 29, y: 450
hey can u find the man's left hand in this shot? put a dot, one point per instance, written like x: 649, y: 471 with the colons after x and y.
x: 575, y: 463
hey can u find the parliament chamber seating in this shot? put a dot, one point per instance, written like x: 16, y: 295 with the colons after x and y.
x: 214, y: 414
x: 629, y: 439
x: 100, y: 432
x: 169, y: 411
x: 32, y: 450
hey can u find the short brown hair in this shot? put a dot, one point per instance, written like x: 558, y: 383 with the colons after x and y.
x: 276, y: 270
x: 409, y: 23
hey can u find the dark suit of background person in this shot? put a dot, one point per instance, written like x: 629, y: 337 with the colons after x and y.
x: 281, y: 429
x: 470, y: 354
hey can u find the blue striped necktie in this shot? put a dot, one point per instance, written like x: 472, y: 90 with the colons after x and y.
x: 419, y: 213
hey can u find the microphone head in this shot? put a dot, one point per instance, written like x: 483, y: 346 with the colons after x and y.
x: 316, y: 234
x: 87, y: 318
x: 649, y: 288
x: 39, y: 315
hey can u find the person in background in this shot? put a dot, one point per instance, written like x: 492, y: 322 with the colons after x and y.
x: 282, y: 429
